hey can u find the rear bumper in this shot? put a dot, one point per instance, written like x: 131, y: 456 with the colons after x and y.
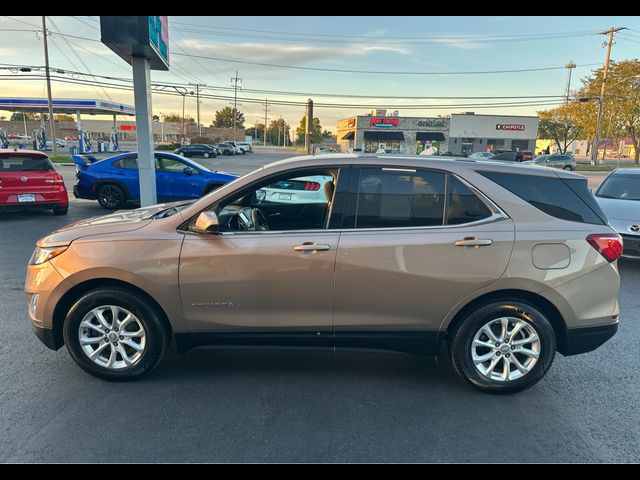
x: 631, y: 246
x: 587, y: 339
x: 78, y: 194
x: 42, y: 200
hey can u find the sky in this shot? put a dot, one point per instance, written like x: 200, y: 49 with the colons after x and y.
x: 431, y: 51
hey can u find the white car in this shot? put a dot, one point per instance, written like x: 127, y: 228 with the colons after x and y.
x: 298, y: 190
x: 236, y: 148
x: 59, y: 143
x: 246, y: 146
x: 481, y: 155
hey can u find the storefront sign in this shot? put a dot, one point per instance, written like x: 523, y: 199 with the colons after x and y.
x: 510, y: 126
x: 432, y: 122
x: 383, y: 122
x: 126, y: 128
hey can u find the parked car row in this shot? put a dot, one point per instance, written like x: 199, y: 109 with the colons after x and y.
x: 213, y: 150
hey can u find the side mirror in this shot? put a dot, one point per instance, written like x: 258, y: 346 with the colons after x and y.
x: 207, y: 222
x: 187, y: 171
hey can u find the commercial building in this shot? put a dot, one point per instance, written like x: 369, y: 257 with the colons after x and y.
x: 470, y: 133
x: 459, y: 133
x: 392, y: 132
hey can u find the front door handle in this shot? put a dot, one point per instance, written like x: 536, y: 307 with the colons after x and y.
x: 311, y: 247
x: 473, y: 242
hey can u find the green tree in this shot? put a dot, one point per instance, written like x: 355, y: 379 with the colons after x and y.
x: 559, y: 124
x: 276, y: 132
x: 327, y: 134
x: 224, y: 118
x: 316, y: 131
x: 24, y: 116
x: 621, y: 106
x: 175, y: 118
x: 256, y: 131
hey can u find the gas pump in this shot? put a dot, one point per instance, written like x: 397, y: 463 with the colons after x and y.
x: 113, y: 141
x: 39, y: 139
x: 84, y: 142
x: 4, y: 142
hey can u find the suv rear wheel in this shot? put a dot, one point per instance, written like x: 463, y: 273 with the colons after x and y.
x: 115, y: 334
x: 503, y: 347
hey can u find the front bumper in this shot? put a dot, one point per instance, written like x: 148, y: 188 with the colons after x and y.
x: 586, y: 339
x: 47, y: 336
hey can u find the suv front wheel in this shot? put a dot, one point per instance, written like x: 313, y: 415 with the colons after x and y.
x: 503, y: 347
x: 115, y: 334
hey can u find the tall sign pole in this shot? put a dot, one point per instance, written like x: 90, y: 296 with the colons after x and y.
x: 143, y: 42
x: 52, y: 125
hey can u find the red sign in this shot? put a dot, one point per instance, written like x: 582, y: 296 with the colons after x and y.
x: 383, y: 122
x: 127, y: 128
x: 510, y: 126
x: 351, y: 123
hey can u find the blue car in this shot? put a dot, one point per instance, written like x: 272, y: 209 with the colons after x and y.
x: 114, y: 180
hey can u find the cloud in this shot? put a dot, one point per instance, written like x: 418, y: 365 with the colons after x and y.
x: 464, y: 43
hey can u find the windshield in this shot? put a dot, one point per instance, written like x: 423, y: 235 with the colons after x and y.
x: 621, y: 187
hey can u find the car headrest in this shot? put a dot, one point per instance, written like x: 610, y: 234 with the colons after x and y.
x: 329, y: 189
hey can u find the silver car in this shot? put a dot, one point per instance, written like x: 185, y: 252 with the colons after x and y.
x: 619, y: 197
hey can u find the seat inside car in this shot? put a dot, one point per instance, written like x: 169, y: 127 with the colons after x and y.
x: 329, y: 189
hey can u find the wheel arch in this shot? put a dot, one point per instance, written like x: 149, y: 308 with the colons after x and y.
x: 109, y: 181
x: 66, y: 301
x: 543, y: 304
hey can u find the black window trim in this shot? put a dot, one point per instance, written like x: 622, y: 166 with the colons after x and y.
x: 496, y: 212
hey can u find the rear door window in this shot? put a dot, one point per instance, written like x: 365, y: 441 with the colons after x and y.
x: 25, y: 163
x: 464, y: 206
x: 396, y: 197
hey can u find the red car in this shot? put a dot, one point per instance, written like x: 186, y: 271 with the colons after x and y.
x: 28, y: 179
x: 527, y: 155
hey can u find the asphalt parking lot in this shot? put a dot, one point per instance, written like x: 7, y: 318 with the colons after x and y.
x: 287, y: 406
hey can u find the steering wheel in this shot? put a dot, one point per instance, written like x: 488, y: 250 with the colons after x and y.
x: 259, y: 220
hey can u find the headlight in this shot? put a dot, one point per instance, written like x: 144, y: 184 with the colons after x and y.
x: 42, y: 255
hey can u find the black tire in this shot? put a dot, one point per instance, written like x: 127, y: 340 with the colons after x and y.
x: 111, y: 196
x: 156, y: 331
x: 227, y: 152
x: 462, y: 337
x: 568, y: 168
x: 61, y: 210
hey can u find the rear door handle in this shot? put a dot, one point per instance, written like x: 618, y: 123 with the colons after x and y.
x: 473, y: 242
x: 311, y: 247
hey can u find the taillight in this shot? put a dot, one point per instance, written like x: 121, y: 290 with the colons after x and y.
x: 312, y: 186
x: 55, y: 178
x: 609, y: 245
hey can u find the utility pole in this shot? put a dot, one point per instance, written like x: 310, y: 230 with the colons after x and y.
x: 197, y: 85
x: 307, y: 134
x: 266, y: 109
x: 569, y: 66
x: 594, y: 150
x: 54, y: 145
x: 235, y: 81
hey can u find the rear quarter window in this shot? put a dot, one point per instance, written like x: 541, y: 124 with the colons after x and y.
x: 566, y: 199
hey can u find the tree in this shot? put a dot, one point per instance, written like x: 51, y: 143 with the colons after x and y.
x: 156, y: 118
x: 327, y: 134
x: 175, y: 118
x: 621, y: 106
x: 224, y: 118
x: 64, y: 118
x: 24, y: 116
x: 559, y: 125
x: 256, y: 131
x: 276, y: 132
x: 316, y: 131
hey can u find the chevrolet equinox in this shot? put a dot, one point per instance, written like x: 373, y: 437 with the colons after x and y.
x: 501, y: 264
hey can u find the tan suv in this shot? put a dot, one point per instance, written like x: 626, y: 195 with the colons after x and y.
x: 504, y: 264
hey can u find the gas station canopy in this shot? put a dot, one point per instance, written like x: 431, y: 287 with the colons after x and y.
x: 91, y: 107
